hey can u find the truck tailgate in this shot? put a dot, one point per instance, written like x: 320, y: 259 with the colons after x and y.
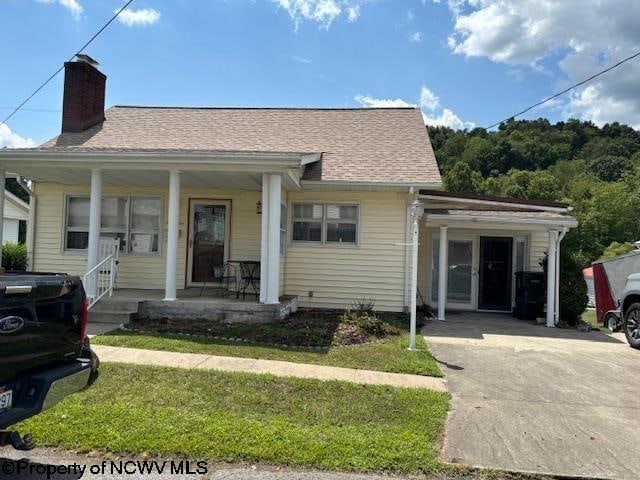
x: 40, y: 321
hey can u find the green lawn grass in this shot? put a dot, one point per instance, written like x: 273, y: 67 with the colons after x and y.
x: 589, y: 316
x: 390, y: 356
x: 218, y: 416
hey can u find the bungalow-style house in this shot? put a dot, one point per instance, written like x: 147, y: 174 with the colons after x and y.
x: 15, y: 211
x: 321, y: 199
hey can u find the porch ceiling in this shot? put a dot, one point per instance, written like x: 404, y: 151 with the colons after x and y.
x: 145, y: 178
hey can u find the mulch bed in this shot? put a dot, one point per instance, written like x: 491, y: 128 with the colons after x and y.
x: 306, y: 328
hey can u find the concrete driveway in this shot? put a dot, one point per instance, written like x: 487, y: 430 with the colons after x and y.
x: 535, y: 399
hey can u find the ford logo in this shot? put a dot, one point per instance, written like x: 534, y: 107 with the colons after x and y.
x: 11, y: 324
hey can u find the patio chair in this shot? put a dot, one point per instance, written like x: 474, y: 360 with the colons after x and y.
x: 223, y: 277
x: 250, y: 278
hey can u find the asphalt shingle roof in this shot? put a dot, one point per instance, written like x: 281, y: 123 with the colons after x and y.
x: 358, y: 145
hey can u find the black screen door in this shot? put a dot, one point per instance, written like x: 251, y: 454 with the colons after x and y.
x: 494, y: 292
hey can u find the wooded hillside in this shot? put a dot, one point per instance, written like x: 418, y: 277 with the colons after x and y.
x: 596, y: 170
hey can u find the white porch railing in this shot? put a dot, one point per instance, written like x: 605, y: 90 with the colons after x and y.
x: 99, y: 281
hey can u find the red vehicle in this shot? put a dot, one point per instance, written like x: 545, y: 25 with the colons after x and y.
x: 609, y: 278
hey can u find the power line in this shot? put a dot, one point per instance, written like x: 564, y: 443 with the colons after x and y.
x: 15, y: 110
x: 602, y: 72
x: 48, y: 110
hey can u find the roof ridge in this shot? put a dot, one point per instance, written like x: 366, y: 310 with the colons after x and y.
x: 173, y: 107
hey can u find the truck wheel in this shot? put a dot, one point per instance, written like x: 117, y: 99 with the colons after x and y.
x: 611, y: 322
x: 632, y: 325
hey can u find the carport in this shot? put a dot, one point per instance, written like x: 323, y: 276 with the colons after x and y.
x: 472, y: 245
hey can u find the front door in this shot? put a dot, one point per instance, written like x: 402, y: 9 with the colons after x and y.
x: 460, y: 274
x: 208, y: 243
x: 494, y: 292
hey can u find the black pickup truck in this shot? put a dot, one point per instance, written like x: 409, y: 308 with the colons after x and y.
x: 44, y: 352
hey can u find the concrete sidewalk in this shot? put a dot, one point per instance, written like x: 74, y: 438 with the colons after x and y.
x: 273, y: 367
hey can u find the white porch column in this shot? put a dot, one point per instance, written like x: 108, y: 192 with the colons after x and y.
x: 551, y: 277
x: 273, y: 260
x: 95, y: 215
x: 442, y: 272
x: 173, y: 231
x: 264, y: 239
x: 3, y: 178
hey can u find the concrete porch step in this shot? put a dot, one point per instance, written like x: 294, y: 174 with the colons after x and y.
x: 123, y: 305
x: 107, y: 316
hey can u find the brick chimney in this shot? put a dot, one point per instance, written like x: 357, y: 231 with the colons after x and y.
x: 84, y: 89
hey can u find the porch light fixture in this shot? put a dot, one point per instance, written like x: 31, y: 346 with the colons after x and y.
x: 417, y: 210
x: 259, y: 207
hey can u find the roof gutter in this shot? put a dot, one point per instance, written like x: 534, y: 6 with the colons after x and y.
x: 287, y: 160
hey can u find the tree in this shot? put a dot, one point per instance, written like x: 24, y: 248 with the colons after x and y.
x: 461, y: 178
x: 609, y: 168
x: 615, y: 249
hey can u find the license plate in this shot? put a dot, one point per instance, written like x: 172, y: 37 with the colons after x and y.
x: 6, y: 398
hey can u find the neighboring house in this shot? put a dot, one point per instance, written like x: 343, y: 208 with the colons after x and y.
x: 320, y: 197
x: 15, y: 211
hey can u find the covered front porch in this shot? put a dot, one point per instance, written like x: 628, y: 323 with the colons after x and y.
x: 178, y: 220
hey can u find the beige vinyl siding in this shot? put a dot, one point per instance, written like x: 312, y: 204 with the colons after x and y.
x: 338, y: 275
x: 10, y: 227
x: 538, y: 243
x: 283, y: 258
x: 141, y: 271
x: 423, y: 251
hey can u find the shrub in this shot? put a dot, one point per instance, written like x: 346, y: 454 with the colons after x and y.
x: 14, y: 256
x: 362, y: 315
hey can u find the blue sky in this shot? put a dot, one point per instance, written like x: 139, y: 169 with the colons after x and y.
x: 462, y: 61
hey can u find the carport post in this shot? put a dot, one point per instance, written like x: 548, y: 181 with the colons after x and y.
x: 551, y: 277
x: 442, y: 273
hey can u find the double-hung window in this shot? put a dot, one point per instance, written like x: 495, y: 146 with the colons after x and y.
x: 135, y: 221
x: 325, y: 223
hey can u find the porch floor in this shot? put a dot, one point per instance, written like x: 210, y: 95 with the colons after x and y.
x: 209, y: 295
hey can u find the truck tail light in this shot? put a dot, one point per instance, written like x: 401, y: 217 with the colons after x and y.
x: 84, y: 318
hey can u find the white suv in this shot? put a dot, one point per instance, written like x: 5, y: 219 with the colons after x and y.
x: 630, y: 308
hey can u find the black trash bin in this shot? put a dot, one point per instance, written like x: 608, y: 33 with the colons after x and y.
x: 529, y: 295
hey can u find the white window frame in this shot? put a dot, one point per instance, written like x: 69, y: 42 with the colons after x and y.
x: 323, y: 224
x: 106, y: 231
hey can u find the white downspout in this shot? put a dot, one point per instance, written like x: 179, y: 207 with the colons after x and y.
x: 416, y: 214
x: 31, y: 225
x: 557, y: 295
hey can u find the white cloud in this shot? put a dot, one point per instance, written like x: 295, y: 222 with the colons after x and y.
x: 10, y: 139
x: 415, y: 37
x: 323, y: 12
x: 580, y: 37
x: 370, y: 102
x: 432, y: 113
x: 72, y: 5
x: 298, y: 59
x: 140, y: 17
x: 428, y: 99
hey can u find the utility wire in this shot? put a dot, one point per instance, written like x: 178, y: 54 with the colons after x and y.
x: 15, y: 110
x: 48, y: 110
x: 602, y: 72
